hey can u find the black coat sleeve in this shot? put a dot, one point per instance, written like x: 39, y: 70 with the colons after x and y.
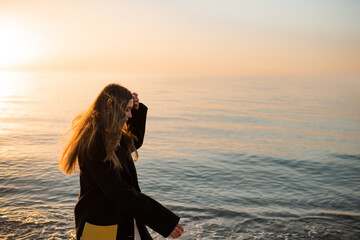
x: 137, y: 124
x: 129, y: 201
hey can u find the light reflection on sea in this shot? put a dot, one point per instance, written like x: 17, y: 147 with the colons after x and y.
x: 236, y: 158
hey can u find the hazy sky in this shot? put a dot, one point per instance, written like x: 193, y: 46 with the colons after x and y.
x: 279, y: 37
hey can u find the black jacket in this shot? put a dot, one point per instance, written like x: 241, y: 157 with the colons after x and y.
x: 109, y: 197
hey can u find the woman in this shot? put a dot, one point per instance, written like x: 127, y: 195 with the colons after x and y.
x: 104, y: 139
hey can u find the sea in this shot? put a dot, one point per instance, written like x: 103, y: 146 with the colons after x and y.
x: 249, y: 157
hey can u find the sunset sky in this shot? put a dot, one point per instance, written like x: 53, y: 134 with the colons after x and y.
x: 202, y: 37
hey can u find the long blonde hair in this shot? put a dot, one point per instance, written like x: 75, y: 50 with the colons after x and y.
x: 106, y: 118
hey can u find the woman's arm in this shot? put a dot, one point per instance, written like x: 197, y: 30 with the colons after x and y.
x: 137, y: 123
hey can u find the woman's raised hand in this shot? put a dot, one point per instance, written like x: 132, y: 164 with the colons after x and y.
x: 178, y: 230
x: 136, y: 101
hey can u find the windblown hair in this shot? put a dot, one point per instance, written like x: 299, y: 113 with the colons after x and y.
x: 105, y: 119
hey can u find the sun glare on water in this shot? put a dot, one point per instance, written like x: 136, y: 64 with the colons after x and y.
x: 17, y: 44
x: 12, y: 84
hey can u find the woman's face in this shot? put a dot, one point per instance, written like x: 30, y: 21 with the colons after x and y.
x: 128, y: 109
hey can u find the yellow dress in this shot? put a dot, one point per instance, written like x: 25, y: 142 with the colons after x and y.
x: 95, y: 232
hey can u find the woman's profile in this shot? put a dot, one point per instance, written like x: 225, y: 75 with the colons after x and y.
x: 103, y: 143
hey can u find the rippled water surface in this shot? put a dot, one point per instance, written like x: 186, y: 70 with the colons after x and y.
x: 236, y: 158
